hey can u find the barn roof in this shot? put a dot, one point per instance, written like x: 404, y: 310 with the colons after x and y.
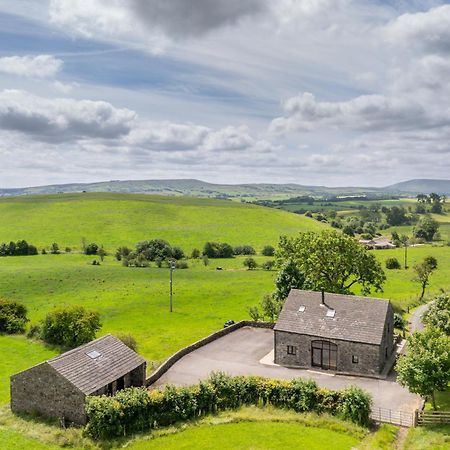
x: 344, y: 317
x: 96, y: 364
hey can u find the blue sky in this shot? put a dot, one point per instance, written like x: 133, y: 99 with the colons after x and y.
x: 331, y: 92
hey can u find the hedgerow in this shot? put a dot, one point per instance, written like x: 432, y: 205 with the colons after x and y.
x: 135, y: 410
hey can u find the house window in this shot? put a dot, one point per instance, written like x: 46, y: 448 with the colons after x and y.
x: 355, y: 359
x: 386, y: 352
x: 291, y: 350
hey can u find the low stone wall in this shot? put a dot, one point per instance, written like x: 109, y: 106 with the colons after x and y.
x: 166, y: 365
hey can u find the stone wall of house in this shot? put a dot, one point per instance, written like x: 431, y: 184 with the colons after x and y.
x: 368, y: 356
x: 41, y: 390
x: 387, y: 343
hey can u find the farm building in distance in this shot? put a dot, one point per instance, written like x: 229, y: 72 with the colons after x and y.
x: 379, y: 243
x: 342, y: 333
x: 58, y: 387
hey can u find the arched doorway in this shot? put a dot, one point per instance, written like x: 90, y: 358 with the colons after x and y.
x: 324, y: 355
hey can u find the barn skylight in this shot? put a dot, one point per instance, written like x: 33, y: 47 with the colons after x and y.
x: 331, y: 313
x: 302, y: 308
x: 93, y: 354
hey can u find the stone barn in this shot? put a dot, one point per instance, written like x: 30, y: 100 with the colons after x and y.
x: 58, y: 387
x: 341, y: 333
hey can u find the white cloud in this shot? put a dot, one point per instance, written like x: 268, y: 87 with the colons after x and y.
x: 41, y: 66
x: 62, y: 119
x: 429, y: 30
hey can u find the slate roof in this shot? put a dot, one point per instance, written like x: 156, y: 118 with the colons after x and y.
x: 90, y: 374
x: 356, y: 319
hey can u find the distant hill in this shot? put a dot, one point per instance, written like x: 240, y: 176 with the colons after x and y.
x: 424, y: 186
x: 197, y: 188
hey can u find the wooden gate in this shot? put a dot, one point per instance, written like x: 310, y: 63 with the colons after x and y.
x: 433, y: 417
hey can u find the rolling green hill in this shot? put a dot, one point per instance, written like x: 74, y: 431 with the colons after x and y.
x: 124, y: 219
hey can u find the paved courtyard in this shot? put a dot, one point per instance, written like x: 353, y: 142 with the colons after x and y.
x: 245, y: 352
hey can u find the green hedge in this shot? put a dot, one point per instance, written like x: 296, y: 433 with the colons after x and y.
x: 136, y: 409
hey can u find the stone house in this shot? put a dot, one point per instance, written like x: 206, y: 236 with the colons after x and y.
x: 342, y: 333
x: 380, y: 243
x: 58, y: 387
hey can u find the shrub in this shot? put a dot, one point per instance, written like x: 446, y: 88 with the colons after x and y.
x: 244, y: 250
x: 54, y: 249
x: 355, y: 405
x: 177, y: 253
x: 218, y: 250
x: 268, y: 265
x: 135, y: 410
x: 13, y: 317
x: 70, y: 327
x: 19, y: 248
x: 399, y: 322
x: 254, y: 313
x: 35, y: 331
x: 392, y: 263
x: 250, y: 263
x: 91, y: 249
x: 129, y: 341
x: 122, y: 253
x: 195, y: 253
x: 68, y: 250
x: 268, y: 250
x: 182, y: 265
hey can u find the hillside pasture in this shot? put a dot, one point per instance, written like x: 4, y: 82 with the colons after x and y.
x: 124, y: 219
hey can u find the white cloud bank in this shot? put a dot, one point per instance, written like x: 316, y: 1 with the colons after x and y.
x: 40, y: 66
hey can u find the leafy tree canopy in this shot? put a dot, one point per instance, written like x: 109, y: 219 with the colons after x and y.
x: 332, y: 261
x: 438, y: 314
x: 426, y: 366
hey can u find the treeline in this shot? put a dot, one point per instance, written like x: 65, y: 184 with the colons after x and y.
x: 19, y: 248
x: 162, y: 253
x: 136, y: 410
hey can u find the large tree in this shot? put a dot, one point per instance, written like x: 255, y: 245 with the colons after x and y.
x: 438, y: 314
x: 332, y: 261
x: 423, y: 272
x: 426, y: 366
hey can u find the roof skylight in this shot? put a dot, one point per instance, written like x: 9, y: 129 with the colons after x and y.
x: 302, y: 308
x: 331, y: 313
x: 93, y: 354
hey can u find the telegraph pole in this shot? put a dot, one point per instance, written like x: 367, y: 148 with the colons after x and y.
x: 172, y: 266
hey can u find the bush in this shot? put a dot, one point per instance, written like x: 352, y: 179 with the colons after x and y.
x: 54, y: 249
x: 250, y: 263
x: 122, y: 253
x: 268, y: 250
x: 244, y: 250
x: 392, y: 263
x: 181, y: 265
x: 195, y: 253
x: 218, y: 250
x: 68, y: 250
x: 19, y: 248
x: 70, y: 327
x: 268, y: 265
x: 355, y: 405
x: 135, y: 410
x: 34, y: 332
x: 91, y: 249
x: 129, y: 341
x: 399, y: 322
x: 13, y: 317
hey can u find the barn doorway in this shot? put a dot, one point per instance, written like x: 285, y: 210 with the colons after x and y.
x: 324, y: 355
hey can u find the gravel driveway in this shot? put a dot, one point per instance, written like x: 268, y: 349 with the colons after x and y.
x: 240, y: 353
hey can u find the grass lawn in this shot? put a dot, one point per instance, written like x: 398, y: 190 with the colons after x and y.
x: 124, y: 219
x: 246, y: 435
x: 246, y: 428
x: 428, y: 438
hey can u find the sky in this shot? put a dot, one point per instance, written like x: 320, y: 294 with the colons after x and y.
x: 318, y: 92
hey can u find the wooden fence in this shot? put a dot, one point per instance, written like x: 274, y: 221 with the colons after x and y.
x: 400, y: 418
x: 433, y: 417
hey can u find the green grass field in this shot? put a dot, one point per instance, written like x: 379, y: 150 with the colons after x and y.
x: 136, y: 301
x: 124, y: 219
x: 247, y: 435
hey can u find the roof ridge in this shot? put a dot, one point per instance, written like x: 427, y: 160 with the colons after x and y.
x: 69, y: 352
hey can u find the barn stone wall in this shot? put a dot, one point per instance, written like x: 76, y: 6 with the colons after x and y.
x: 368, y: 355
x: 387, y: 343
x: 41, y: 390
